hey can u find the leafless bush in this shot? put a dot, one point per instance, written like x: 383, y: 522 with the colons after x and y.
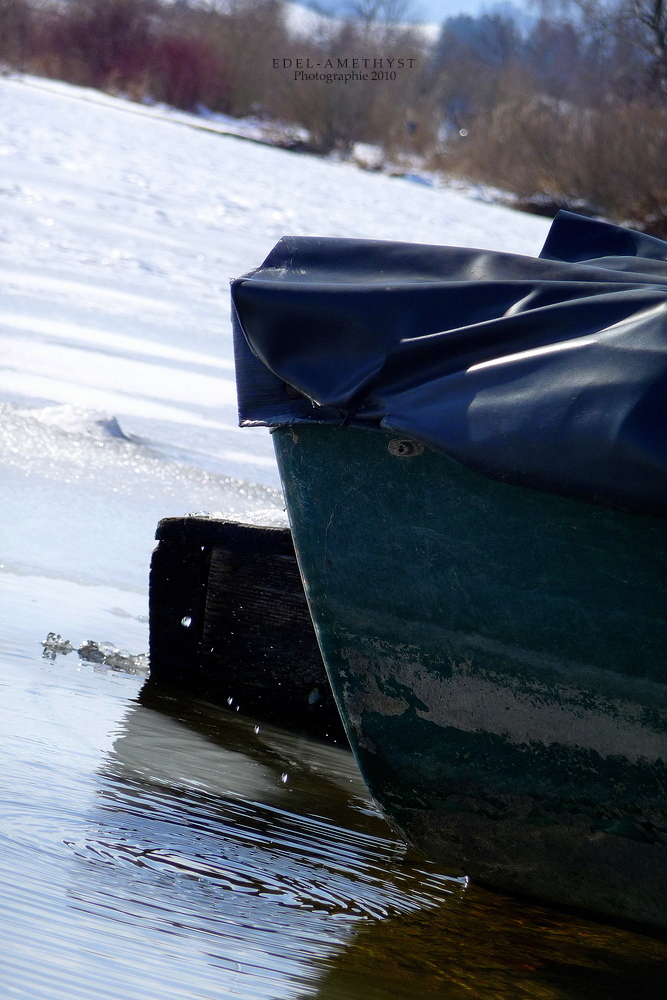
x: 359, y: 84
x: 101, y: 43
x: 244, y: 37
x: 184, y: 72
x: 612, y: 155
x: 138, y: 47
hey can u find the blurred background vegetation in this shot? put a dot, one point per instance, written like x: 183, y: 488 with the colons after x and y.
x: 566, y: 107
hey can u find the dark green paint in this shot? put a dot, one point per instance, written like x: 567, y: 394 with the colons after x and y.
x: 499, y: 656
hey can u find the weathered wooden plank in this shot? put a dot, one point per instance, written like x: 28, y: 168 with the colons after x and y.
x: 229, y: 622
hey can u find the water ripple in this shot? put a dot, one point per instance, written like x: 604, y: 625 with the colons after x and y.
x: 155, y: 853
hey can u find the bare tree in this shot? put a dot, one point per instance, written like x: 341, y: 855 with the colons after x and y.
x: 637, y: 27
x: 379, y: 11
x: 379, y: 19
x: 651, y: 18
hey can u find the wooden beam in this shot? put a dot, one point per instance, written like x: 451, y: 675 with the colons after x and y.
x: 229, y: 623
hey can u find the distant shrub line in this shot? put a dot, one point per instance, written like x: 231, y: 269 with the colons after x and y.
x: 136, y: 47
x: 566, y: 112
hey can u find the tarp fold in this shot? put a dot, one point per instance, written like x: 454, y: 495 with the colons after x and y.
x: 546, y: 372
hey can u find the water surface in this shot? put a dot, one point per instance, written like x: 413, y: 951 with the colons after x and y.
x: 153, y: 849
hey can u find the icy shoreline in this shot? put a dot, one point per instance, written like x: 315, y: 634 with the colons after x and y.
x: 119, y: 233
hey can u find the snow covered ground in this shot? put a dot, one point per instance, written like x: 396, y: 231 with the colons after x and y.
x: 119, y: 231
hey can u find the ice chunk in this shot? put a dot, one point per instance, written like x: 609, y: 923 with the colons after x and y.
x: 111, y: 656
x: 54, y: 644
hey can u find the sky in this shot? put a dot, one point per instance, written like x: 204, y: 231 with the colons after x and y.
x: 426, y: 11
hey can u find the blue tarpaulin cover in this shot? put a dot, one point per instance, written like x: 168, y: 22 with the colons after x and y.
x: 548, y: 372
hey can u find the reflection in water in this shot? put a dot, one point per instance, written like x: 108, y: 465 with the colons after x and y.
x: 191, y: 857
x: 488, y: 947
x: 196, y: 833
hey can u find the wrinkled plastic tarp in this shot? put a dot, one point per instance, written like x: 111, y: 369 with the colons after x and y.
x: 546, y: 372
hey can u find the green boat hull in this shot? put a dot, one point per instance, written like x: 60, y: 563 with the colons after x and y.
x: 499, y: 658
